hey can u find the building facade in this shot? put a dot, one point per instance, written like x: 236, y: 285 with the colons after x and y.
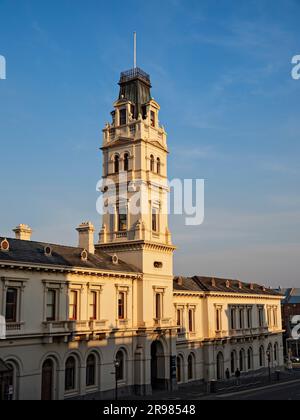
x: 81, y: 320
x: 291, y: 321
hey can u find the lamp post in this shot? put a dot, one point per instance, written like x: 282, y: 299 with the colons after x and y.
x: 117, y: 365
x: 269, y: 363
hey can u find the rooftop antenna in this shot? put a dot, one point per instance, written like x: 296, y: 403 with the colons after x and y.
x: 134, y: 54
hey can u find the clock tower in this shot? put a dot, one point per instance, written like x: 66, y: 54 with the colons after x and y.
x: 135, y: 196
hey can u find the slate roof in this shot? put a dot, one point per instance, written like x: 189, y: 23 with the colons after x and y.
x: 135, y: 86
x: 29, y: 252
x: 211, y: 284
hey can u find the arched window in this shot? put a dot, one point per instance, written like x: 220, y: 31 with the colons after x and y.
x: 233, y: 361
x: 261, y: 356
x: 191, y: 367
x: 70, y: 374
x: 158, y: 166
x: 116, y: 164
x: 152, y: 163
x: 120, y: 368
x: 179, y: 369
x: 91, y: 365
x: 242, y: 360
x: 126, y: 162
x: 276, y: 352
x: 220, y: 366
x: 250, y: 359
x: 270, y: 354
x: 47, y: 380
x: 8, y: 382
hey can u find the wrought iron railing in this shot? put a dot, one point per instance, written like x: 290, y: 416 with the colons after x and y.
x: 133, y: 73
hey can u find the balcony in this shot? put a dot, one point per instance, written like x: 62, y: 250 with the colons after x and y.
x: 121, y: 235
x: 56, y: 327
x: 74, y: 327
x: 13, y: 328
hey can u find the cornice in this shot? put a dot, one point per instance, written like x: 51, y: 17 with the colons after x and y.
x: 121, y: 141
x: 225, y: 295
x: 67, y: 270
x: 136, y: 246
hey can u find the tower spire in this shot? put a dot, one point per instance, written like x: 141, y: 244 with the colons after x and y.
x: 134, y: 50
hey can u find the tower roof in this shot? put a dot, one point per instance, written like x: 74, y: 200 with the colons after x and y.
x: 135, y: 86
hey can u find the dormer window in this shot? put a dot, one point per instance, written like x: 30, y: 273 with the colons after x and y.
x: 123, y: 117
x: 152, y: 118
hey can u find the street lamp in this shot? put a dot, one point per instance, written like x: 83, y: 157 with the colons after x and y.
x: 269, y: 363
x: 117, y: 365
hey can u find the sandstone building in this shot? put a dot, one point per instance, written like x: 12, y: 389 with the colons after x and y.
x: 78, y: 319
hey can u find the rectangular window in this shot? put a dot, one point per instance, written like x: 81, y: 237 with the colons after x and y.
x: 219, y: 319
x: 241, y: 318
x: 73, y: 310
x: 93, y: 306
x: 123, y: 117
x: 122, y: 219
x: 269, y: 313
x: 275, y: 317
x: 179, y: 320
x: 249, y: 318
x: 233, y: 318
x: 158, y: 306
x: 154, y: 220
x: 191, y: 320
x: 51, y: 305
x: 11, y: 305
x: 152, y: 117
x: 121, y: 305
x: 261, y: 317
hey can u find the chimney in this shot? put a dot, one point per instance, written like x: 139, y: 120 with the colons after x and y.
x: 86, y: 236
x: 23, y: 232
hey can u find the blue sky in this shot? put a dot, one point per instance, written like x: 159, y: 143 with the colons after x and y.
x: 221, y: 71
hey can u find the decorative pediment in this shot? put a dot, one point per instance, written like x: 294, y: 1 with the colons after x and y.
x: 159, y: 145
x: 121, y: 141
